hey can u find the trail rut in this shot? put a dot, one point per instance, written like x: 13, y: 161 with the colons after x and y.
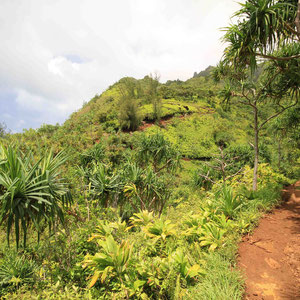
x: 270, y: 257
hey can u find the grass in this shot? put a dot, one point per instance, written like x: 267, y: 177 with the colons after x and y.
x: 222, y: 281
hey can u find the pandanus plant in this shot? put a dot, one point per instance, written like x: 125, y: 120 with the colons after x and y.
x: 145, y: 190
x: 104, y: 186
x: 159, y: 152
x: 30, y: 191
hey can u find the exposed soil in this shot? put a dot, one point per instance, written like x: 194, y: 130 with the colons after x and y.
x: 163, y: 122
x: 270, y: 257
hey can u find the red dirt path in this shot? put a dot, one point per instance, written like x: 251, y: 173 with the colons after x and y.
x: 270, y: 258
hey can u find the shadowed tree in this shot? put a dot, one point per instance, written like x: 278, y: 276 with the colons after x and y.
x: 152, y: 95
x: 265, y: 32
x: 129, y: 114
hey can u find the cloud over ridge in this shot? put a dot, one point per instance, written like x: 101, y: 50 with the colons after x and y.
x: 57, y: 54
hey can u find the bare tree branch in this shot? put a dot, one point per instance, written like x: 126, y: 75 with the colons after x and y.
x: 285, y: 58
x: 297, y: 33
x: 251, y: 145
x: 207, y: 178
x: 233, y: 175
x: 277, y: 114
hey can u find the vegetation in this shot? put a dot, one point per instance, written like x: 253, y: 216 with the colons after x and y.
x: 31, y: 191
x: 148, y: 187
x: 129, y: 115
x: 3, y: 130
x: 268, y: 30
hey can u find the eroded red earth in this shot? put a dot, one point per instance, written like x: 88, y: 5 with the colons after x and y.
x: 270, y: 257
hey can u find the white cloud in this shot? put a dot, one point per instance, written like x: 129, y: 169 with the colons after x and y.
x: 20, y: 124
x: 56, y: 54
x: 53, y: 66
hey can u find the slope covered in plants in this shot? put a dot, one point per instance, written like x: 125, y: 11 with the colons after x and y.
x: 150, y: 216
x: 156, y: 182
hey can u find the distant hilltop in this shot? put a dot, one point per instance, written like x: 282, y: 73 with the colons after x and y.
x: 204, y: 73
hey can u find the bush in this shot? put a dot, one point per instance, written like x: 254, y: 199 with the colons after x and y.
x: 158, y: 151
x: 96, y: 153
x: 266, y: 176
x: 229, y: 204
x: 200, y: 181
x: 241, y: 154
x: 129, y: 113
x: 31, y: 191
x: 16, y: 269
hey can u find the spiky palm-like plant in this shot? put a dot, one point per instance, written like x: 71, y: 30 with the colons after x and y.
x: 30, y: 191
x: 263, y: 26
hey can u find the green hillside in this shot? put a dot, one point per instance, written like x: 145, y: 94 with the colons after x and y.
x: 114, y: 172
x: 146, y: 191
x: 192, y: 104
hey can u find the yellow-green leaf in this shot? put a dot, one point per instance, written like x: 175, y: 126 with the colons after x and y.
x: 94, y: 279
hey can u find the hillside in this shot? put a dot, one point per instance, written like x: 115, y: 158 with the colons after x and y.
x: 165, y: 191
x: 192, y: 117
x: 156, y: 193
x: 187, y: 108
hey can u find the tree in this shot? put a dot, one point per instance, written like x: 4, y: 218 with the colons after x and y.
x: 263, y: 27
x: 131, y: 189
x: 152, y: 95
x: 104, y: 186
x: 30, y: 191
x: 266, y: 32
x: 129, y: 114
x: 286, y: 130
x: 256, y: 94
x: 159, y: 152
x: 144, y: 189
x: 221, y: 164
x: 3, y: 130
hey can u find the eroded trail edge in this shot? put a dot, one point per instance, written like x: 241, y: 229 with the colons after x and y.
x: 270, y: 258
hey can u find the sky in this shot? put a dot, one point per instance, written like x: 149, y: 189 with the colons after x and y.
x: 57, y: 54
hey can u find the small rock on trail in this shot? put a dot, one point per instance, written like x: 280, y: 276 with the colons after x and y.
x: 270, y: 258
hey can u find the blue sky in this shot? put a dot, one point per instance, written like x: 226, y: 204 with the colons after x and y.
x: 57, y: 54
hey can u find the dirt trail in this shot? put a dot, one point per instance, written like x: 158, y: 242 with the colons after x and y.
x: 202, y: 110
x: 270, y: 258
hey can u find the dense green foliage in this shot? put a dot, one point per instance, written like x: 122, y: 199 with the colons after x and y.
x: 270, y: 30
x: 160, y: 177
x: 177, y: 230
x: 31, y: 190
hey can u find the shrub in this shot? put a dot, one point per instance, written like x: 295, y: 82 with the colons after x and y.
x: 96, y: 153
x: 200, y: 181
x: 158, y: 151
x: 229, y: 203
x: 31, y: 191
x: 111, y: 263
x: 144, y: 189
x: 266, y: 176
x: 16, y: 270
